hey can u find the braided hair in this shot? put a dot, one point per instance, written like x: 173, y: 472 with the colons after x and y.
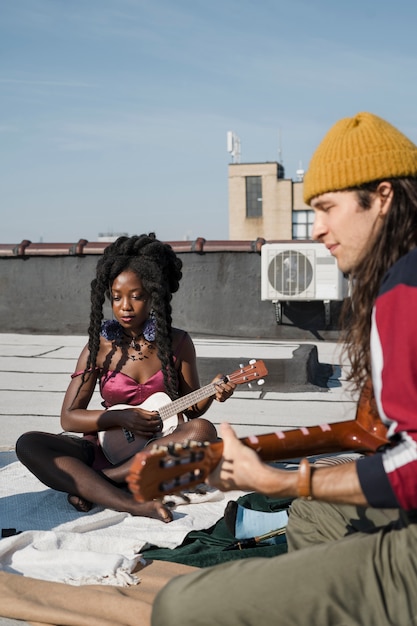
x: 159, y: 269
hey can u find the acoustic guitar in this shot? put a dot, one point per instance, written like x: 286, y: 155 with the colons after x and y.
x: 120, y: 444
x: 163, y: 470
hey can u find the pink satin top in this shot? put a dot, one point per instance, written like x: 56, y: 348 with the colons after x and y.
x: 119, y: 388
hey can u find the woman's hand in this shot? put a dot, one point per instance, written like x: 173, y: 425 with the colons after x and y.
x: 224, y: 388
x: 139, y: 421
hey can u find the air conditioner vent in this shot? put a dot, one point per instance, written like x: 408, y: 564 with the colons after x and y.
x: 300, y: 271
x: 291, y: 273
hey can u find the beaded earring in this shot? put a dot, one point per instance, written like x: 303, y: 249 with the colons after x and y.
x: 149, y: 330
x: 112, y: 330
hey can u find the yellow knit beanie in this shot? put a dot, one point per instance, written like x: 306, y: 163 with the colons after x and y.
x: 358, y: 150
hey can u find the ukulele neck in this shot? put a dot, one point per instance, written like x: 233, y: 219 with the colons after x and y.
x: 176, y: 406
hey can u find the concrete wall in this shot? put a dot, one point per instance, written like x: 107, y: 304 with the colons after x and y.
x: 220, y: 294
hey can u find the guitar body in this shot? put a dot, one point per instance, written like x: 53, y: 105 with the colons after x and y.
x: 119, y: 444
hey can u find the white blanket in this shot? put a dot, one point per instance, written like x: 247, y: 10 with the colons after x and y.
x: 57, y: 543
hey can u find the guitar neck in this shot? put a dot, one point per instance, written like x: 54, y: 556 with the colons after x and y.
x: 176, y: 406
x: 366, y: 433
x: 322, y: 439
x: 292, y: 444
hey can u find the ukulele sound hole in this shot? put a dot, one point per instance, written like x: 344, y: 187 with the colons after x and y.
x: 130, y: 437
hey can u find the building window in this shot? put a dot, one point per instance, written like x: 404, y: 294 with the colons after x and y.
x: 253, y: 196
x: 302, y: 224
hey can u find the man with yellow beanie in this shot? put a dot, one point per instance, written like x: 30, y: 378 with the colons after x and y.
x: 352, y: 530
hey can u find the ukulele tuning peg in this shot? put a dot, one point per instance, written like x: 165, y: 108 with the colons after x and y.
x: 252, y: 361
x: 250, y: 385
x: 241, y: 365
x: 261, y: 381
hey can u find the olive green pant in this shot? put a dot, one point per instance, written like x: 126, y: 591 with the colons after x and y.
x: 346, y: 566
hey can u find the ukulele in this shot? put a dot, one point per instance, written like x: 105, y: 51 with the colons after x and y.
x: 120, y: 444
x: 162, y: 470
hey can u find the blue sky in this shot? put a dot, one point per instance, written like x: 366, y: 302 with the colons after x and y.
x: 114, y: 113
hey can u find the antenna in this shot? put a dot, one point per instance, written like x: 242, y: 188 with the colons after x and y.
x: 233, y: 146
x: 279, y: 147
x: 300, y: 172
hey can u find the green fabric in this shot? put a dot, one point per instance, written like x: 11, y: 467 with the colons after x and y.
x: 204, y: 548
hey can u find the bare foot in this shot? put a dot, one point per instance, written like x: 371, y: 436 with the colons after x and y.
x: 80, y: 504
x: 153, y: 509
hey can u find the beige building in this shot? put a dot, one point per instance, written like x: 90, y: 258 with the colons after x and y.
x: 262, y: 203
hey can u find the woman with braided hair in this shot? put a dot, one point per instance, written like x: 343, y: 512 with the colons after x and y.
x: 133, y: 356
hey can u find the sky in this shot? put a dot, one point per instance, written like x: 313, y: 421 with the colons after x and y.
x: 114, y: 113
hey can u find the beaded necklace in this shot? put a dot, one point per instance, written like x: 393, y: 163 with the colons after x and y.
x: 136, y: 345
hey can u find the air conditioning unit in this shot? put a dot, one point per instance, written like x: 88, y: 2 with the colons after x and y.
x: 300, y: 271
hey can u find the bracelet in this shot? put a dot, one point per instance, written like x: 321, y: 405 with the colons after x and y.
x: 304, y: 480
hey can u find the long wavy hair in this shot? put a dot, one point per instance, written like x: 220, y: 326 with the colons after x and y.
x: 159, y: 269
x: 397, y: 236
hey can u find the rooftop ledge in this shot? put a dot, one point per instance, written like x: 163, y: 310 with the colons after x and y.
x: 84, y: 247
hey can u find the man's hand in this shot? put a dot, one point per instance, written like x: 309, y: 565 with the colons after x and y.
x: 239, y: 465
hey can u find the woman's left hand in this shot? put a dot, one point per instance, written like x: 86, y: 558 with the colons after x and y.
x: 224, y: 388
